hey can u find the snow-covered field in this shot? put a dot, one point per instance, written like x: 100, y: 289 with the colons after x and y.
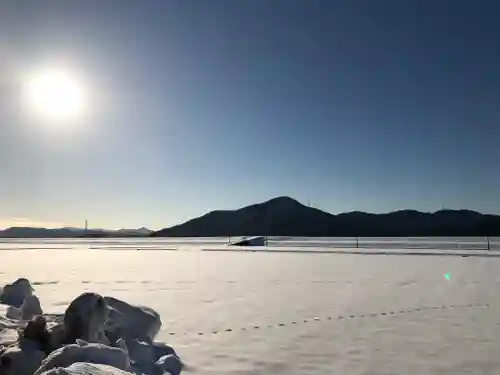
x: 275, y: 243
x: 283, y: 312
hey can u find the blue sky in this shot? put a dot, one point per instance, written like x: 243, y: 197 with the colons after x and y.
x: 198, y: 105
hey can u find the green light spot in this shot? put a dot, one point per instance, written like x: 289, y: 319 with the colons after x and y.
x: 447, y: 276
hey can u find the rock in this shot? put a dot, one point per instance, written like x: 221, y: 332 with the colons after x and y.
x: 29, y: 309
x: 171, y: 364
x: 20, y: 360
x: 8, y: 336
x: 77, y: 343
x: 128, y: 321
x: 85, y: 319
x: 27, y: 348
x: 57, y: 335
x: 36, y: 332
x: 147, y: 358
x: 86, y: 352
x: 6, y: 323
x: 148, y: 369
x: 13, y: 313
x: 160, y: 350
x: 80, y: 368
x: 140, y: 352
x: 15, y: 293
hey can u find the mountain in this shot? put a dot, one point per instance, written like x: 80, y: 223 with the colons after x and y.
x: 284, y: 216
x: 37, y: 232
x: 278, y: 216
x: 69, y: 232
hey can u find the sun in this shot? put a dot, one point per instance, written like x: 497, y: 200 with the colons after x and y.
x: 55, y: 95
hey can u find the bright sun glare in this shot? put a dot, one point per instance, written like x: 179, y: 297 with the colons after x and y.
x: 55, y: 95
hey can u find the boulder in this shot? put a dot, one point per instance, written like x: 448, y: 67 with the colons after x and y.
x: 140, y: 352
x: 30, y: 308
x: 171, y: 364
x: 153, y: 359
x: 80, y: 368
x: 85, y: 319
x: 128, y: 321
x: 28, y: 346
x: 36, y: 333
x: 77, y: 343
x: 86, y: 352
x: 160, y: 350
x: 20, y: 360
x: 15, y: 293
x: 57, y: 334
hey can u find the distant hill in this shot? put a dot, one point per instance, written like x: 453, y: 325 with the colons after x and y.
x: 30, y: 232
x: 37, y: 232
x: 284, y: 216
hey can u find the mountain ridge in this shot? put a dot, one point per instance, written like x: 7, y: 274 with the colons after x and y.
x: 285, y: 216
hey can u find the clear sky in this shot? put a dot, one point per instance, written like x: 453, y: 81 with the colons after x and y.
x: 195, y: 105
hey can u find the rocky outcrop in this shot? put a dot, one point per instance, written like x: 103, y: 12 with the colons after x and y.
x: 97, y: 335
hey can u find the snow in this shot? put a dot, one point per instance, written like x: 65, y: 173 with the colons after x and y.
x: 238, y: 312
x: 86, y: 352
x: 80, y: 368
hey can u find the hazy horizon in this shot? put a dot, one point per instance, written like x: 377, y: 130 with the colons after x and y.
x: 191, y: 106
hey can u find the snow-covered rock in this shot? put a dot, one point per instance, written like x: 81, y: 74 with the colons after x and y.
x: 86, y: 352
x: 171, y: 364
x: 86, y: 369
x: 76, y: 343
x: 128, y: 321
x: 9, y: 324
x: 153, y: 359
x: 30, y: 308
x: 160, y: 350
x: 13, y: 313
x: 26, y: 347
x: 20, y: 359
x: 15, y: 293
x: 8, y: 336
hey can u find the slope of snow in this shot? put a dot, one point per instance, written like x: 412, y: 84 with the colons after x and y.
x: 278, y: 313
